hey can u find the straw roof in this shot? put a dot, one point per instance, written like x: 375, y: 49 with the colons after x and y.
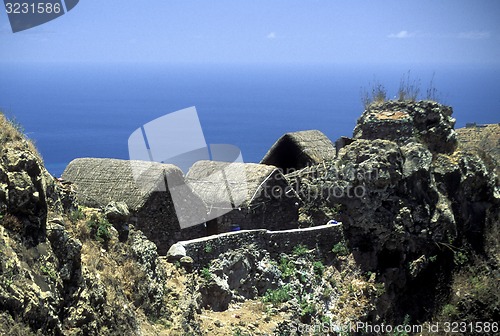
x: 297, y: 150
x: 99, y: 181
x: 225, y: 186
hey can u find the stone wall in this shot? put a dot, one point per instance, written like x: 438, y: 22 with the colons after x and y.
x: 202, y: 250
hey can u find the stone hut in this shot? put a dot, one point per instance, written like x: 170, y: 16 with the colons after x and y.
x: 298, y: 150
x: 244, y: 196
x: 161, y: 205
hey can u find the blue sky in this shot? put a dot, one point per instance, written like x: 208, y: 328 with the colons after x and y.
x: 273, y: 31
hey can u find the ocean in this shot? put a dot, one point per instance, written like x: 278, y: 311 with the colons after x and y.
x: 90, y: 110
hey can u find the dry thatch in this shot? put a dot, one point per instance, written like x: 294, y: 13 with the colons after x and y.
x: 100, y: 181
x: 248, y: 194
x: 154, y: 192
x: 300, y: 149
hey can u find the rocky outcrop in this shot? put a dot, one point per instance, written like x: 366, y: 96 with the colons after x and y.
x: 63, y: 271
x: 405, y: 195
x: 427, y: 122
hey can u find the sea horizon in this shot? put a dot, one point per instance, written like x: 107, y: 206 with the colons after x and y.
x: 89, y: 110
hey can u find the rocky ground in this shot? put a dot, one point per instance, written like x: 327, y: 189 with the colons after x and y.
x: 420, y: 221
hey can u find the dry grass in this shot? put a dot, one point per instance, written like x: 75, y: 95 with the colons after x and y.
x: 9, y: 131
x: 11, y: 136
x: 12, y: 223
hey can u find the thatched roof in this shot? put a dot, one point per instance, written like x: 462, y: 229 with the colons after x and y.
x: 225, y: 186
x: 300, y: 149
x: 99, y: 181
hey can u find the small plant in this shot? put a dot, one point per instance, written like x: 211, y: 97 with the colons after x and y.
x: 301, y: 276
x: 279, y: 295
x: 307, y: 311
x: 460, y: 258
x: 325, y: 319
x: 432, y: 92
x: 450, y: 311
x: 208, y: 248
x: 206, y: 274
x: 12, y: 223
x: 406, y: 322
x: 408, y: 89
x: 300, y: 250
x: 238, y: 332
x: 286, y: 267
x: 379, y: 289
x: 327, y: 293
x: 340, y: 249
x: 9, y: 272
x: 48, y: 271
x: 378, y: 94
x: 15, y: 124
x: 100, y: 228
x: 318, y: 268
x: 76, y: 215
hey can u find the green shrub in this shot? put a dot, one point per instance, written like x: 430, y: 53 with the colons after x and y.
x: 286, y: 267
x: 100, y: 228
x: 307, y: 311
x: 76, y: 215
x: 300, y: 250
x: 450, y: 311
x: 340, y: 249
x: 460, y: 258
x: 49, y: 271
x: 278, y: 295
x: 206, y: 274
x: 208, y: 248
x: 318, y: 268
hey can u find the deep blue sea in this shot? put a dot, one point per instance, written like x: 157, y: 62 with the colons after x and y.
x: 89, y: 110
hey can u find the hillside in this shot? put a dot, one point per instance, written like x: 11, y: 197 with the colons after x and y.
x: 414, y: 243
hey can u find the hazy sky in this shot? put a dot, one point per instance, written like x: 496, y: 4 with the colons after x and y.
x: 272, y: 31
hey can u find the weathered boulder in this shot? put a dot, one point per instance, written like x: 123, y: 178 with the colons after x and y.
x: 23, y: 192
x: 176, y: 252
x: 67, y: 249
x: 117, y: 213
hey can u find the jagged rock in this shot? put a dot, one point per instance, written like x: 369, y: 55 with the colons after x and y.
x: 187, y: 262
x: 244, y: 273
x: 416, y: 194
x: 402, y: 121
x: 118, y: 214
x: 216, y: 294
x: 22, y: 191
x: 67, y: 250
